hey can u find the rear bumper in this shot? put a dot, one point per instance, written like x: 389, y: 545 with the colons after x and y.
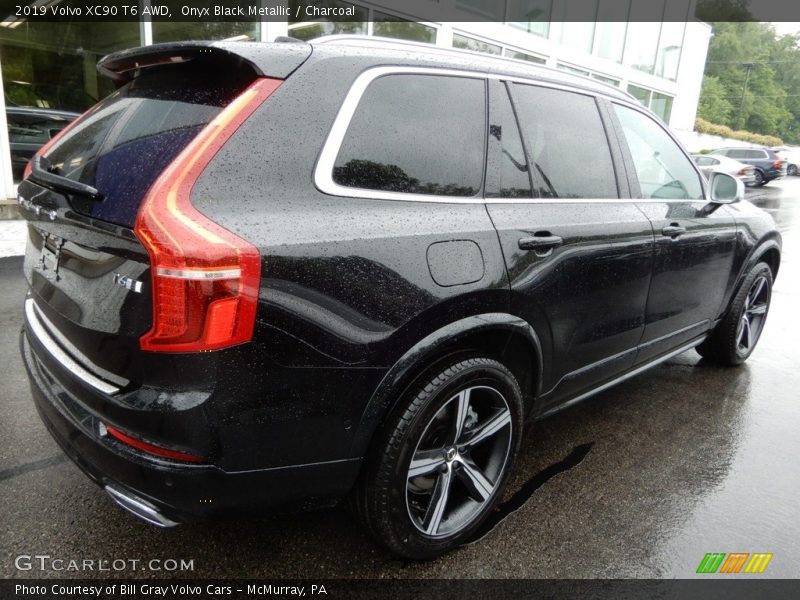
x: 169, y: 491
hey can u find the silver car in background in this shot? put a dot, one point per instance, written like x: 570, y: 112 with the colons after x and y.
x: 710, y: 163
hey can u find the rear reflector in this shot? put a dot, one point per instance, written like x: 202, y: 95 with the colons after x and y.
x: 150, y: 448
x: 205, y: 279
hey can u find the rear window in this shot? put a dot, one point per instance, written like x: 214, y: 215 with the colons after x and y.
x: 418, y: 134
x: 125, y: 142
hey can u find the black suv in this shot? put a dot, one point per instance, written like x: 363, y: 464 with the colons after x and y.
x: 768, y: 165
x: 261, y: 275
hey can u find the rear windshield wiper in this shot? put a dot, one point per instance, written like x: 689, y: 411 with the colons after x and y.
x: 42, y: 171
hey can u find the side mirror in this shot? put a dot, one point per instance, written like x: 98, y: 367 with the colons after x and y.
x: 725, y: 189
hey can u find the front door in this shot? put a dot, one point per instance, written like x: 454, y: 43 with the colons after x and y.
x: 694, y: 240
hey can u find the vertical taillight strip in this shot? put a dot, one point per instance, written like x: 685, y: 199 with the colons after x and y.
x: 204, y: 278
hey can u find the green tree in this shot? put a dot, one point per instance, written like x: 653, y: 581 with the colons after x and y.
x: 752, y: 80
x: 714, y: 105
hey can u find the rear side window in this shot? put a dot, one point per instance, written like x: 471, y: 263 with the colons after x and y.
x: 567, y: 143
x: 705, y: 161
x: 126, y: 141
x: 417, y: 134
x: 746, y: 153
x: 663, y: 170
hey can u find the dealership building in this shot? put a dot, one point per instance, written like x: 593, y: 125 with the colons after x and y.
x: 51, y: 66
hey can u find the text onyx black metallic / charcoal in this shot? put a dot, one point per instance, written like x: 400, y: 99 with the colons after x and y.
x: 266, y: 275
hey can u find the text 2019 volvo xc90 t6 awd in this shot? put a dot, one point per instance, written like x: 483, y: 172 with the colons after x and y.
x: 289, y: 274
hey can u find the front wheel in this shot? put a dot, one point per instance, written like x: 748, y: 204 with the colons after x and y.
x: 736, y: 336
x: 442, y: 459
x: 791, y: 170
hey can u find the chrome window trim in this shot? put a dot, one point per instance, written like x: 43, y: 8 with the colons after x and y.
x: 323, y: 170
x: 36, y: 328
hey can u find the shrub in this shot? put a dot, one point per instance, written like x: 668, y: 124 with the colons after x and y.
x: 703, y: 126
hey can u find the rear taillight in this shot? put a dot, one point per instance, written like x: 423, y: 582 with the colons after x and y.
x: 777, y: 164
x: 151, y: 448
x: 205, y: 279
x: 743, y: 171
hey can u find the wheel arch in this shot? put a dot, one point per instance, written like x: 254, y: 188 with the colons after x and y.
x: 504, y: 337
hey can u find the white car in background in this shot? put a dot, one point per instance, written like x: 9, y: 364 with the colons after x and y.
x: 709, y: 163
x: 791, y: 156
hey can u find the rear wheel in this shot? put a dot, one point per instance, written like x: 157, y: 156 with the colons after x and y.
x: 736, y: 336
x: 759, y: 181
x: 791, y: 170
x: 443, y: 458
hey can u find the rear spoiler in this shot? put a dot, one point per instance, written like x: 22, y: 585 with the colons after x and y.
x: 278, y: 60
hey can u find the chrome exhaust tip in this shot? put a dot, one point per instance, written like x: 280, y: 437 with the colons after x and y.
x: 139, y: 508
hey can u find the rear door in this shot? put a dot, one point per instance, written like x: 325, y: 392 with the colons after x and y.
x: 694, y: 240
x: 578, y: 252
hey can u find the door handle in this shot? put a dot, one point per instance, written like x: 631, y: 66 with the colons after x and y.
x: 673, y: 230
x: 540, y: 242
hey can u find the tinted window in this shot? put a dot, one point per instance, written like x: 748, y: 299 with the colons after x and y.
x: 509, y: 176
x: 705, y: 161
x: 567, y: 143
x: 745, y: 153
x: 418, y: 134
x: 663, y: 170
x: 124, y: 143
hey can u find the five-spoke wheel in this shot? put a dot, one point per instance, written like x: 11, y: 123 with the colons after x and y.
x: 456, y: 465
x: 442, y: 458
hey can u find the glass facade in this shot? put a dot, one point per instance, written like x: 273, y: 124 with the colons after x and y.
x: 468, y: 43
x: 174, y: 31
x: 306, y: 29
x: 53, y: 66
x: 660, y: 104
x: 385, y: 25
x: 518, y: 55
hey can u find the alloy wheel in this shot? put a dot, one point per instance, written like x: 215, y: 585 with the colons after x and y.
x: 754, y: 314
x: 458, y: 461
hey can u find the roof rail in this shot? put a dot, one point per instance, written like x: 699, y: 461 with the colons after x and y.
x: 384, y: 42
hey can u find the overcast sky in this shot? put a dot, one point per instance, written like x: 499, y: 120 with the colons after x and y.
x: 786, y: 28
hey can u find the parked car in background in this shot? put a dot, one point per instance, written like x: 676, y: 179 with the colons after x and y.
x: 238, y: 300
x: 709, y: 164
x: 791, y: 156
x: 768, y: 165
x: 31, y: 128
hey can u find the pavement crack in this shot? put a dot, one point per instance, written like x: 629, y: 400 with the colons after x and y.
x: 56, y: 459
x: 523, y: 494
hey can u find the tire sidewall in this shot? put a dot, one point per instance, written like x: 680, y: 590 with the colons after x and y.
x: 761, y: 269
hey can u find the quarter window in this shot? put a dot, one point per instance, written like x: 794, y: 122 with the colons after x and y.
x: 567, y: 143
x: 418, y: 134
x: 663, y: 170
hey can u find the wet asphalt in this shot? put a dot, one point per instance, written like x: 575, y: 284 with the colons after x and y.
x: 639, y: 481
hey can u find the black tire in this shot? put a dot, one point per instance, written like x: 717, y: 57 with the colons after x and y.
x: 457, y: 485
x: 736, y: 336
x: 791, y: 170
x: 760, y: 180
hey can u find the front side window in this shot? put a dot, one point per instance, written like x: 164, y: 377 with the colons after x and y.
x: 663, y: 170
x: 567, y: 143
x: 417, y: 134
